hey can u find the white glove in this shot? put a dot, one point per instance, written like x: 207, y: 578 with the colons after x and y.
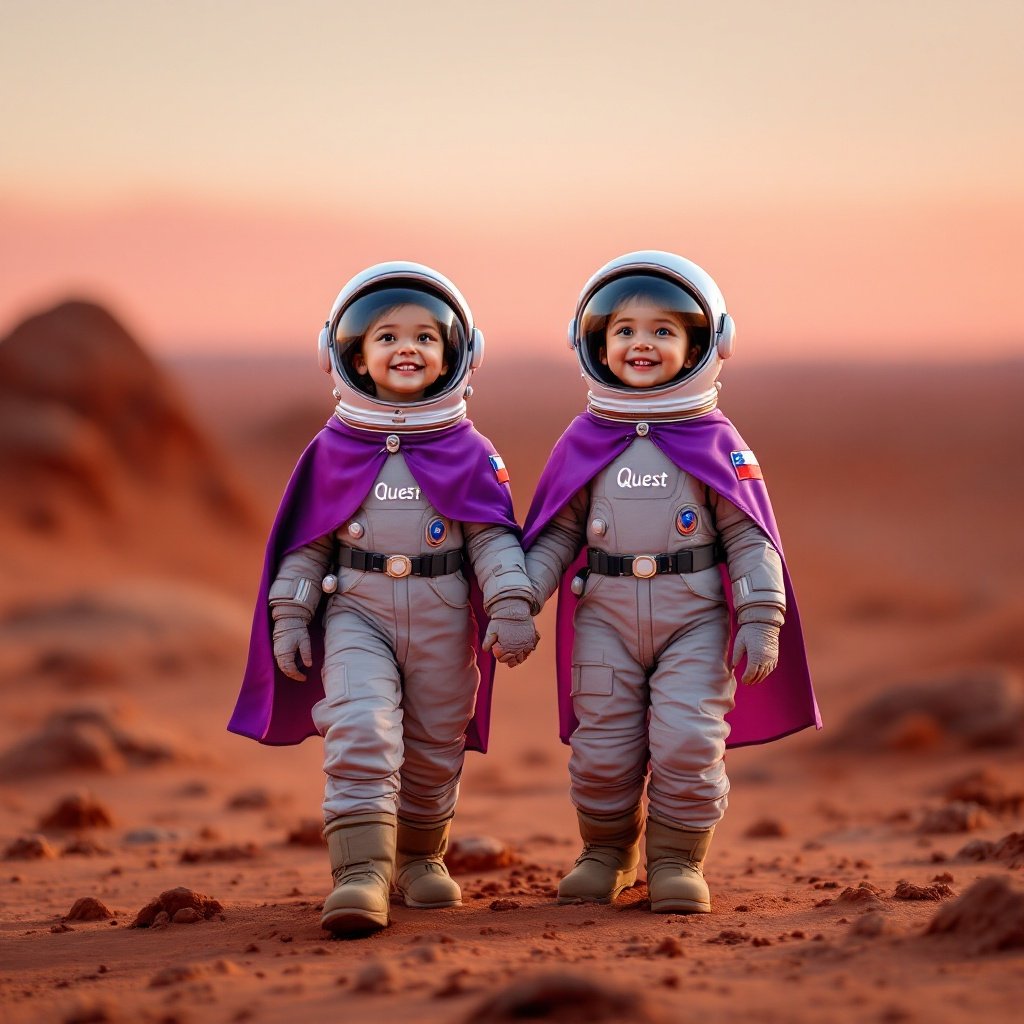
x: 511, y: 632
x: 291, y: 637
x: 759, y: 641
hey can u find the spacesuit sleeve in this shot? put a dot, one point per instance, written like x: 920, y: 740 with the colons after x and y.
x: 498, y: 563
x: 557, y: 545
x: 296, y: 589
x: 755, y: 568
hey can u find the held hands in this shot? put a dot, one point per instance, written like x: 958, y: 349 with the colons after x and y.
x: 510, y: 632
x: 291, y: 637
x: 759, y: 641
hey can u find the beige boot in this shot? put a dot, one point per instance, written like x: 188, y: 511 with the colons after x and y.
x: 608, y: 863
x: 421, y: 876
x: 362, y: 851
x: 675, y: 876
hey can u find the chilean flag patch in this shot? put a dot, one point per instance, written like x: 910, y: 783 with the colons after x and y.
x: 498, y: 465
x: 746, y: 465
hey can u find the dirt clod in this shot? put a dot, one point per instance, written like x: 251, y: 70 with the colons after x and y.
x: 987, y: 918
x: 88, y: 908
x: 173, y: 900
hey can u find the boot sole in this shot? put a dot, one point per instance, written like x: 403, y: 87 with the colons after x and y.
x: 680, y: 907
x: 353, y: 922
x: 628, y: 880
x: 417, y: 905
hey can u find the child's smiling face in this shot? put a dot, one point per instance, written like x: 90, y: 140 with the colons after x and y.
x: 646, y: 345
x: 403, y: 353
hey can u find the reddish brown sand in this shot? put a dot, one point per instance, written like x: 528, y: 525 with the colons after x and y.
x: 130, y: 548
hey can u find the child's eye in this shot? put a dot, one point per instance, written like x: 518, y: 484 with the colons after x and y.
x: 626, y: 332
x: 663, y: 332
x: 424, y: 338
x: 386, y: 336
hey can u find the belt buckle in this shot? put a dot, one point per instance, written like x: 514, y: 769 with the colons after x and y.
x: 398, y: 566
x: 644, y: 566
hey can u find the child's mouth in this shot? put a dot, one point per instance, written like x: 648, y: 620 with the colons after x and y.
x: 406, y: 367
x: 641, y: 364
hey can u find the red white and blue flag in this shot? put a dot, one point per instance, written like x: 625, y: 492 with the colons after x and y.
x: 498, y: 465
x: 746, y: 465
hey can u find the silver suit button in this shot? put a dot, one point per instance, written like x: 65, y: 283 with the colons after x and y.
x: 642, y: 430
x: 578, y: 585
x: 356, y: 530
x: 393, y: 443
x: 329, y: 584
x: 599, y: 526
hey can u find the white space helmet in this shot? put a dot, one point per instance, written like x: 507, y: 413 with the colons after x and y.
x: 673, y: 283
x: 363, y: 301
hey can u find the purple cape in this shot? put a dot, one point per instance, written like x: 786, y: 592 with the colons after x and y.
x: 328, y: 484
x: 782, y: 703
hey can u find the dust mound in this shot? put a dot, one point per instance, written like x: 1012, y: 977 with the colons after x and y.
x: 1009, y: 850
x: 566, y: 998
x: 180, y: 903
x: 978, y: 707
x: 84, y: 739
x: 88, y: 908
x: 988, y: 917
x: 30, y: 848
x: 87, y: 418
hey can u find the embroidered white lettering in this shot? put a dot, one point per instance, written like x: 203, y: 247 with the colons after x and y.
x: 627, y: 478
x: 384, y: 493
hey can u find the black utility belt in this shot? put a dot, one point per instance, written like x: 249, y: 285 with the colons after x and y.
x: 646, y: 566
x: 397, y: 566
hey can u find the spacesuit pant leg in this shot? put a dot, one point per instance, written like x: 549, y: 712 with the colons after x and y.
x: 609, y: 694
x: 692, y: 690
x: 439, y: 685
x: 360, y: 717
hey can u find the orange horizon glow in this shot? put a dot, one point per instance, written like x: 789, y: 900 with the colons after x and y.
x: 214, y: 173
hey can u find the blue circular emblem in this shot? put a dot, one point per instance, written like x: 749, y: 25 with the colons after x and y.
x: 437, y: 531
x: 686, y: 521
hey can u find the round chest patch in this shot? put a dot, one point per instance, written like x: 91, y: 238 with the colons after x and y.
x: 686, y: 521
x: 437, y: 531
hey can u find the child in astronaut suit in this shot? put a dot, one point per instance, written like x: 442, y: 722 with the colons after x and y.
x: 660, y: 490
x: 397, y: 496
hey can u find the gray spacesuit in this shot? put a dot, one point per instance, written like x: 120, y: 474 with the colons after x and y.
x: 399, y: 673
x: 650, y: 676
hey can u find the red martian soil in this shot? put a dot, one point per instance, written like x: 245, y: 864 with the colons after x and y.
x: 156, y: 868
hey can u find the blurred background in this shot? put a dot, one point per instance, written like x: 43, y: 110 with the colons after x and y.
x: 186, y: 186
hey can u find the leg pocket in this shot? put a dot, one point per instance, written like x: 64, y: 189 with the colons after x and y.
x: 596, y: 680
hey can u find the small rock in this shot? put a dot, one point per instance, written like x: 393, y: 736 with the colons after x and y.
x: 309, y: 832
x: 766, y: 828
x: 670, y: 946
x: 478, y: 853
x: 873, y: 925
x: 562, y: 997
x: 1009, y: 850
x: 173, y: 900
x: 863, y: 893
x: 187, y: 915
x: 88, y: 908
x: 219, y: 854
x: 908, y: 891
x: 149, y: 836
x: 987, y: 789
x: 955, y: 817
x: 505, y: 905
x: 255, y: 799
x: 33, y: 847
x: 987, y: 918
x: 376, y: 978
x: 77, y: 811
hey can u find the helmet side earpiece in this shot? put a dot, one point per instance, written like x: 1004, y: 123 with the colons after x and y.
x: 324, y: 348
x: 726, y: 342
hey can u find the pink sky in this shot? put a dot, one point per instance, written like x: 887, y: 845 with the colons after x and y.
x: 215, y: 172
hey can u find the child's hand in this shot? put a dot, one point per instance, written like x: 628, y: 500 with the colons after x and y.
x: 759, y: 641
x: 510, y: 632
x: 291, y: 637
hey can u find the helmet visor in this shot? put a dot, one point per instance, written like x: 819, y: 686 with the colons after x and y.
x: 404, y: 313
x: 639, y: 293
